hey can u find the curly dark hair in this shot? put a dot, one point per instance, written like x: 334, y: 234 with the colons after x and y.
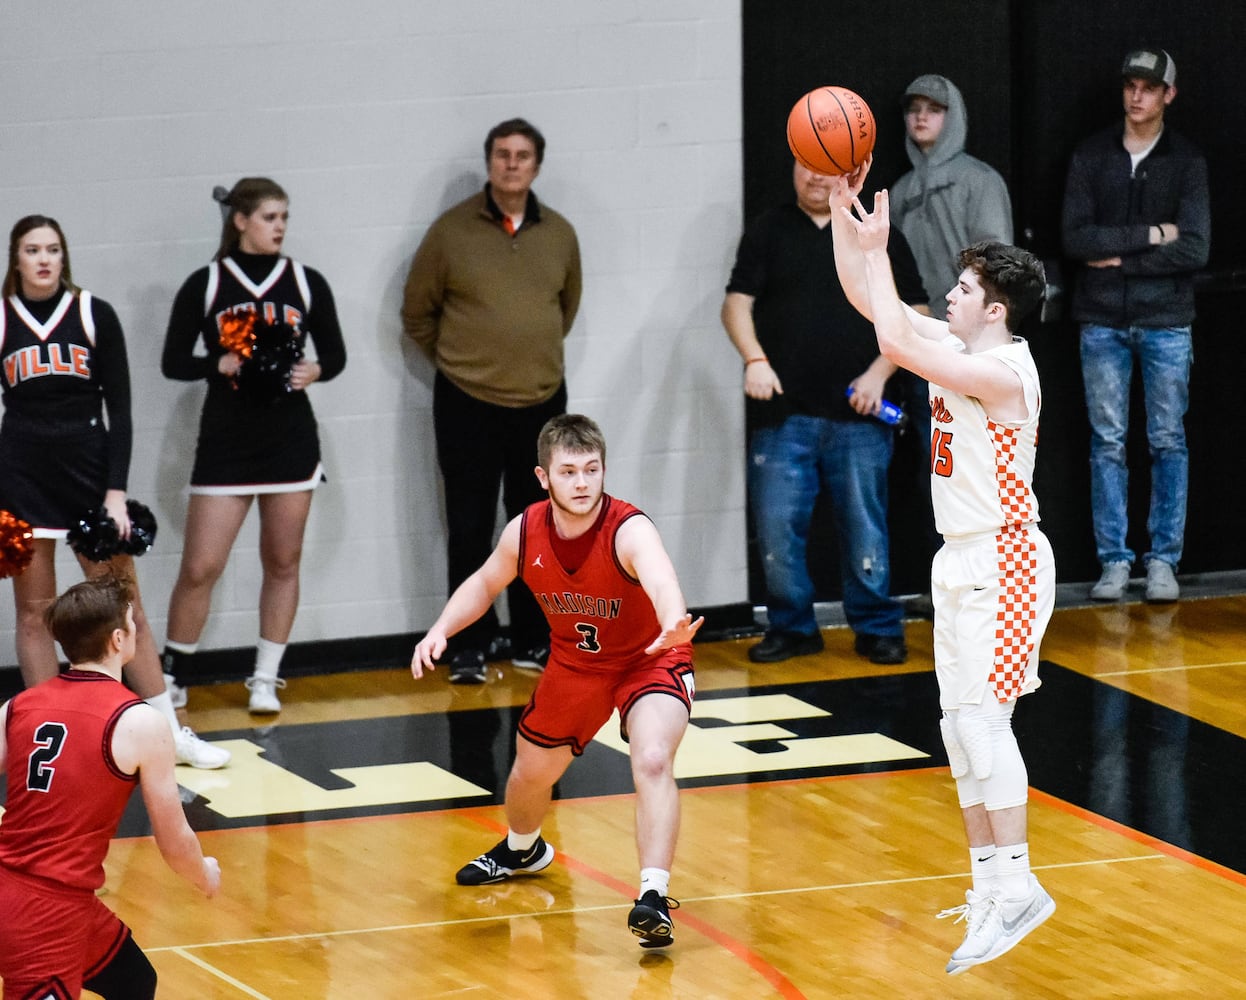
x: 1009, y: 275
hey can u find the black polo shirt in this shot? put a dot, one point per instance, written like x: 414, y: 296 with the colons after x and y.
x: 816, y: 341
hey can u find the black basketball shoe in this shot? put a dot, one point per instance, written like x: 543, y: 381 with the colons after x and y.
x: 501, y: 863
x: 650, y: 920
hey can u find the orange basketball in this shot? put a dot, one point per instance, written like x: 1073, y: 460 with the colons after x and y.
x: 831, y: 130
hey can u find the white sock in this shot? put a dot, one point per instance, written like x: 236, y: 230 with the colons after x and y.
x: 268, y: 657
x: 657, y: 879
x: 181, y: 647
x: 1012, y: 870
x: 522, y: 841
x: 163, y: 703
x: 982, y: 862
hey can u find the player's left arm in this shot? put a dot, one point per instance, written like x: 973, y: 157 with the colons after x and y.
x: 142, y: 743
x: 642, y: 554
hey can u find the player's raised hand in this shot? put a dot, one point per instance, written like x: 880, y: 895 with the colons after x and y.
x: 678, y: 634
x: 427, y: 651
x: 846, y: 188
x: 872, y: 228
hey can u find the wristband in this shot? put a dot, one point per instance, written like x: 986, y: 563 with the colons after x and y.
x: 753, y: 361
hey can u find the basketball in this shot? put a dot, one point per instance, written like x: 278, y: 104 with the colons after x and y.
x: 831, y: 130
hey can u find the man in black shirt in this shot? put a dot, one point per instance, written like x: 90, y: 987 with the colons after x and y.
x: 804, y: 347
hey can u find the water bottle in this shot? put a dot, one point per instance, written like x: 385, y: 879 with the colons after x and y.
x: 888, y: 413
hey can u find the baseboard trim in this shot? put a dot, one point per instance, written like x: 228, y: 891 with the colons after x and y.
x: 381, y: 652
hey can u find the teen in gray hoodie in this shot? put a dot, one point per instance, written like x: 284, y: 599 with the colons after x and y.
x: 949, y: 200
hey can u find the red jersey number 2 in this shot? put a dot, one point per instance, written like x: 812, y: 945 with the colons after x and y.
x: 940, y: 453
x: 50, y: 739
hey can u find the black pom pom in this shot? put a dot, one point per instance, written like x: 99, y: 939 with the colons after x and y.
x: 94, y: 536
x: 142, y: 529
x: 265, y: 375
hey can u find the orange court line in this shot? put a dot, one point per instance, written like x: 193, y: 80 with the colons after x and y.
x: 773, y: 976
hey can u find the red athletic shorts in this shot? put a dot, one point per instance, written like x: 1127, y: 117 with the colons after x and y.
x: 569, y: 706
x: 51, y: 937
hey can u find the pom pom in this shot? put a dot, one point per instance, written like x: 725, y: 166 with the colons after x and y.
x: 17, y: 545
x: 142, y: 529
x: 265, y: 373
x: 94, y: 536
x: 237, y: 333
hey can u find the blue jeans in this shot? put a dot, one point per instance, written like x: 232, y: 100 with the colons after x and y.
x: 789, y: 466
x: 1164, y: 356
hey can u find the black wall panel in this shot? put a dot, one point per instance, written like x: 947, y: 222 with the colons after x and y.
x: 1037, y: 76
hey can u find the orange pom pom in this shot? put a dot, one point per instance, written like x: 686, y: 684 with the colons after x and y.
x: 17, y: 545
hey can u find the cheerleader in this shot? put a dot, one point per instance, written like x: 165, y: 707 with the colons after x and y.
x: 250, y: 309
x: 62, y: 365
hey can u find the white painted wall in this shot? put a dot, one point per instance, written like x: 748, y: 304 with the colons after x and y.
x: 118, y: 118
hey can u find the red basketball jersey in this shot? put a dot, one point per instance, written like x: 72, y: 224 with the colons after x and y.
x: 65, y: 792
x: 600, y: 618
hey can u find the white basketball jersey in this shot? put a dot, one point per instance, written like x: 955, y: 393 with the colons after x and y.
x: 981, y: 471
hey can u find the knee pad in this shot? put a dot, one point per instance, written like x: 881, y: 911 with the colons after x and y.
x: 974, y: 733
x: 1009, y: 782
x: 956, y: 757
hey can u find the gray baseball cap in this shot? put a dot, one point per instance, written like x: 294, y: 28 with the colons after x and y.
x: 1155, y: 65
x: 929, y: 85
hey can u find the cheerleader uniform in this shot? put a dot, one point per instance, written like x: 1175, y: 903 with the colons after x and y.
x: 248, y: 445
x: 62, y: 362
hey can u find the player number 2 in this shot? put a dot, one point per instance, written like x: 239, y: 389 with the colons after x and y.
x: 50, y: 739
x: 940, y: 453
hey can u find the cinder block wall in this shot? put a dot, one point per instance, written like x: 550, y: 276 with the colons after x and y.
x: 118, y: 119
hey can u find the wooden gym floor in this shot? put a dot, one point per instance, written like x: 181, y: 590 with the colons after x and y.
x: 820, y: 834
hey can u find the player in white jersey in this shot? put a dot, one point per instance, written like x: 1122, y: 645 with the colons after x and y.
x: 993, y: 581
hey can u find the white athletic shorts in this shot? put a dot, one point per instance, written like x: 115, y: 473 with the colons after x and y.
x: 993, y: 596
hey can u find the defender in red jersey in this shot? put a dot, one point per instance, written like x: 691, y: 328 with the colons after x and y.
x: 620, y: 638
x: 73, y: 748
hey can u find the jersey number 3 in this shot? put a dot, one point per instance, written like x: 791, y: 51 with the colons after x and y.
x: 50, y: 740
x: 588, y: 638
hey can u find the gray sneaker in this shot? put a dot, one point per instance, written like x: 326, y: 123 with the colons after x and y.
x: 997, y: 925
x: 1113, y: 583
x: 1161, y: 583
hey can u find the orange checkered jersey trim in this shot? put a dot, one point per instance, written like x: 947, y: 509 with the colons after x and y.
x: 1014, y: 622
x: 1016, y: 502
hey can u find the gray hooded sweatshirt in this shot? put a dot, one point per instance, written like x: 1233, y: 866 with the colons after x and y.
x: 949, y: 200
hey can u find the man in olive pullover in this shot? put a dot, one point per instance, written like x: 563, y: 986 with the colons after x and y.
x: 491, y: 294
